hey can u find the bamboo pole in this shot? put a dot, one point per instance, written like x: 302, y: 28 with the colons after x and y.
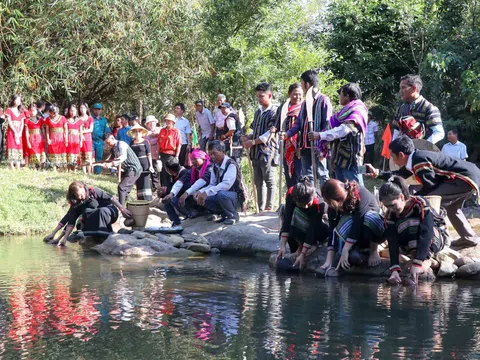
x: 254, y: 188
x: 280, y: 185
x: 312, y: 150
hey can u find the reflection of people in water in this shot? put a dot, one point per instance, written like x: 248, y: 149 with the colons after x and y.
x: 97, y: 209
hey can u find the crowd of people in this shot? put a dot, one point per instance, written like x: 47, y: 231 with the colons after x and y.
x: 324, y: 154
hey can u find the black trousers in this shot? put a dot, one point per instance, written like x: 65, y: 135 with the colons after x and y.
x: 100, y: 219
x: 155, y: 177
x: 183, y: 155
x: 129, y: 178
x: 370, y: 154
x: 165, y: 178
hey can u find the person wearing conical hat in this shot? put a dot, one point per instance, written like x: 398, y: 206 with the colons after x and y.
x: 169, y: 145
x: 141, y: 148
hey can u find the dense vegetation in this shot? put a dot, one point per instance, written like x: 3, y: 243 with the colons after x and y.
x: 160, y: 51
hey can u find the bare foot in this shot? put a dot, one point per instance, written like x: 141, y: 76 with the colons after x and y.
x: 326, y: 266
x: 374, y: 259
x: 53, y: 242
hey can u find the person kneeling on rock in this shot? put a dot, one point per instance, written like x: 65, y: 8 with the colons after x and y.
x: 355, y: 223
x: 225, y: 193
x: 176, y: 194
x: 302, y: 227
x: 97, y: 209
x: 412, y: 226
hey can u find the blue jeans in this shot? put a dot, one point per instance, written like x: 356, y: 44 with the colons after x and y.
x: 98, y: 151
x: 223, y: 203
x: 322, y: 171
x: 350, y: 174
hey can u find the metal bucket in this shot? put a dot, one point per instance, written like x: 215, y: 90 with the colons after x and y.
x: 139, y: 210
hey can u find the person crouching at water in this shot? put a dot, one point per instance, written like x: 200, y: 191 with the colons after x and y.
x: 98, y: 211
x: 302, y: 228
x: 355, y: 224
x: 412, y: 226
x: 180, y: 197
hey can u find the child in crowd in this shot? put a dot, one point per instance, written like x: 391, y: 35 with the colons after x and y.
x: 355, y: 224
x: 34, y: 138
x: 302, y: 228
x: 74, y: 125
x: 141, y: 148
x: 412, y: 226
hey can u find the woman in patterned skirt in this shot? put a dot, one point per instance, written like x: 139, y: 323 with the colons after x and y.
x: 74, y: 125
x: 56, y: 138
x: 34, y: 138
x: 15, y: 117
x: 141, y: 147
x: 86, y: 155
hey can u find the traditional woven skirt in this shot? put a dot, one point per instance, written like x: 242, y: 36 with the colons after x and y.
x: 14, y: 148
x: 73, y: 148
x: 407, y: 230
x: 86, y: 154
x: 144, y: 188
x: 57, y: 151
x: 37, y: 152
x: 372, y: 220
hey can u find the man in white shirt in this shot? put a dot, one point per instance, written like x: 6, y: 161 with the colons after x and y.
x: 455, y: 148
x: 183, y: 125
x: 221, y: 196
x: 372, y: 129
x: 205, y: 122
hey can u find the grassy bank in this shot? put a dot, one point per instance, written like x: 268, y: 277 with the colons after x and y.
x: 34, y: 202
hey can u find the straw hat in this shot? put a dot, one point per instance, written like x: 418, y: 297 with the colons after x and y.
x: 151, y: 118
x: 170, y: 117
x: 137, y: 127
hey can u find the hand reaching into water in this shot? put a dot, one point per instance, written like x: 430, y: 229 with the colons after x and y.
x: 281, y: 253
x: 300, y: 261
x: 394, y: 279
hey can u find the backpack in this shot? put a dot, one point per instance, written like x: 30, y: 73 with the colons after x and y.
x: 238, y: 185
x: 409, y: 126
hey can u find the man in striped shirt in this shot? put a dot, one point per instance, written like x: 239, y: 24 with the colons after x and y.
x: 417, y: 106
x: 263, y: 147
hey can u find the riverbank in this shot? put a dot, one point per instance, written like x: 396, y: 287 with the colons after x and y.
x: 34, y: 201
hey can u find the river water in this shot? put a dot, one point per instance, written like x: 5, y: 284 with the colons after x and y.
x: 69, y: 304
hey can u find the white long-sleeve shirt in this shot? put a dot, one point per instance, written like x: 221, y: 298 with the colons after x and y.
x: 336, y: 133
x: 228, y: 178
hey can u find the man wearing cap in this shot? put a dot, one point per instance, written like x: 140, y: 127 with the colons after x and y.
x: 231, y: 132
x: 183, y: 125
x: 152, y: 137
x: 205, y: 122
x: 169, y: 145
x: 372, y: 129
x: 131, y: 167
x: 100, y: 128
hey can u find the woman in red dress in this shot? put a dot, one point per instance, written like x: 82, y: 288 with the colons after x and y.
x: 34, y: 138
x: 56, y: 138
x: 74, y: 125
x: 16, y: 121
x: 86, y: 155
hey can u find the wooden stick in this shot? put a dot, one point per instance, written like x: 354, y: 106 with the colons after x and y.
x: 254, y: 188
x: 312, y: 149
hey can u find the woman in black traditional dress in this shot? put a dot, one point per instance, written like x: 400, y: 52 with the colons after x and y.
x: 142, y: 149
x: 97, y: 209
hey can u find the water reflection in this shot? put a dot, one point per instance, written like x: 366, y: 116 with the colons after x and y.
x: 223, y: 307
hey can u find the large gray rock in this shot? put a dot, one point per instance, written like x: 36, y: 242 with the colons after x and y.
x: 128, y: 245
x: 463, y: 261
x: 468, y: 270
x: 240, y: 238
x: 446, y: 270
x: 197, y: 247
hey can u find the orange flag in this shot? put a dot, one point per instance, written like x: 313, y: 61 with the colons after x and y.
x: 387, y: 139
